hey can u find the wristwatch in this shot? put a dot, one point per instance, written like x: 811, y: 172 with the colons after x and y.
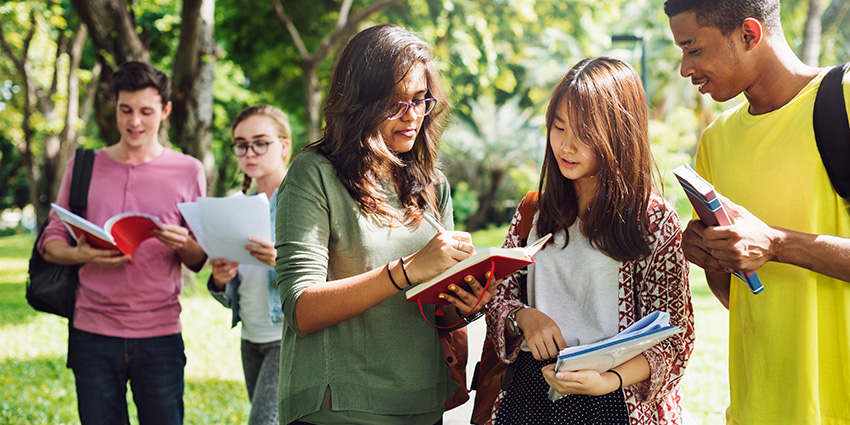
x: 512, y: 324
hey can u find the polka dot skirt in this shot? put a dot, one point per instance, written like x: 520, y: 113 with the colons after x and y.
x: 527, y: 401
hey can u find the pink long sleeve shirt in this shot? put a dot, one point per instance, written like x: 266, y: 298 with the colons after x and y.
x: 138, y: 300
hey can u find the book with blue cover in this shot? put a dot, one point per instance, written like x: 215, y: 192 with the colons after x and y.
x: 704, y: 198
x: 612, y: 352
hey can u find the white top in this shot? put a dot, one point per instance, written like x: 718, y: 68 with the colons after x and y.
x: 576, y: 286
x: 257, y: 326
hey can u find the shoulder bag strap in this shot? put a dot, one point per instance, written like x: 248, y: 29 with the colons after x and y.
x: 832, y: 130
x: 80, y: 180
x: 527, y: 209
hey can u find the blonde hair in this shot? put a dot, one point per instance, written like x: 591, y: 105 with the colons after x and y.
x: 280, y: 120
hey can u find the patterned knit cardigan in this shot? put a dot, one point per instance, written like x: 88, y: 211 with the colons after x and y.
x: 662, y: 285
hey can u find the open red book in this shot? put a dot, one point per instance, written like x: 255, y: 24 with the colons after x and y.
x: 124, y: 232
x: 507, y: 261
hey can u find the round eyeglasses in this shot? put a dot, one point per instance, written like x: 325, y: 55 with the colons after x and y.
x: 421, y: 107
x: 259, y: 147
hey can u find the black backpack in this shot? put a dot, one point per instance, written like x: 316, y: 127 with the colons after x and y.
x: 52, y: 288
x: 832, y: 130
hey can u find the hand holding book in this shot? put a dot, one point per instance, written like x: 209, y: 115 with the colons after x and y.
x: 504, y: 261
x: 616, y: 350
x: 123, y: 232
x: 707, y: 203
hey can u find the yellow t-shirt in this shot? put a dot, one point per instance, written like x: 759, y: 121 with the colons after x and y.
x: 789, y: 346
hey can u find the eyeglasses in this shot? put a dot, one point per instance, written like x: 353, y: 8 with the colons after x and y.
x: 259, y: 147
x: 421, y: 107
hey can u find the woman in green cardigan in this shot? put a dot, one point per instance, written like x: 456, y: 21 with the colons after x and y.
x: 351, y: 237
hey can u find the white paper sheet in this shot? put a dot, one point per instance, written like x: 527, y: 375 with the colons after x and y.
x: 222, y: 226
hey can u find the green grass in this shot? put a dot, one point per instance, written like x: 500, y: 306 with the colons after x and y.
x: 38, y: 389
x: 489, y: 237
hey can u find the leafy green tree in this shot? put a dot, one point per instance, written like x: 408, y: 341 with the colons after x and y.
x: 485, y: 148
x: 48, y: 103
x: 120, y: 37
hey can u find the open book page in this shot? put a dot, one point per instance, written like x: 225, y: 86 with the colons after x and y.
x: 612, y: 352
x: 222, y: 226
x: 79, y: 226
x: 507, y: 261
x: 124, y: 232
x: 706, y: 203
x: 130, y: 229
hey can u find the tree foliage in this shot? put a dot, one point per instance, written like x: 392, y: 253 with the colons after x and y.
x: 500, y: 60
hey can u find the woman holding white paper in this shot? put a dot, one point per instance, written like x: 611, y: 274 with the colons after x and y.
x: 261, y: 143
x: 351, y: 237
x: 615, y: 257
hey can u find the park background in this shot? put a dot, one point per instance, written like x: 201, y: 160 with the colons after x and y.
x: 500, y: 60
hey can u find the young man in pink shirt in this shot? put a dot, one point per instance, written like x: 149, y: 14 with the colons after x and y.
x: 126, y: 324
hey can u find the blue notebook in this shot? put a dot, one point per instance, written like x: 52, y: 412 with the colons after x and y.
x: 612, y: 352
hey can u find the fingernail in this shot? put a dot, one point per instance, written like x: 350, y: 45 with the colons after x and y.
x: 487, y: 275
x: 452, y: 288
x: 560, y: 375
x: 441, y: 296
x: 468, y: 279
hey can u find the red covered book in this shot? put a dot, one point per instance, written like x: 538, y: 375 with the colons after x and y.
x: 124, y: 232
x: 508, y: 261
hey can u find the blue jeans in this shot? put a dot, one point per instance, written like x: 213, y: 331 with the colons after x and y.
x: 261, y: 364
x: 102, y: 366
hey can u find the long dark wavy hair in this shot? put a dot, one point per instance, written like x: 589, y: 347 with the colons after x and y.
x: 606, y: 109
x: 362, y: 89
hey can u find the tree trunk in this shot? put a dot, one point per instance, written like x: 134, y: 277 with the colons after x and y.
x: 312, y: 99
x: 812, y: 34
x: 45, y: 175
x: 479, y: 219
x: 113, y: 31
x: 69, y: 135
x: 192, y: 97
x: 310, y: 61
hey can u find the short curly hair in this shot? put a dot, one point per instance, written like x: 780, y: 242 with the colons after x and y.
x: 726, y: 15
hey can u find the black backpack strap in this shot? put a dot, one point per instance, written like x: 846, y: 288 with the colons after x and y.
x: 832, y: 130
x: 80, y: 180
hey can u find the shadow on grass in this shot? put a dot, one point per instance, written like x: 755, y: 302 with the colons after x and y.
x: 41, y: 391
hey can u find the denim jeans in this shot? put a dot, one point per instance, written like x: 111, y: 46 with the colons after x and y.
x: 154, y: 367
x: 261, y: 364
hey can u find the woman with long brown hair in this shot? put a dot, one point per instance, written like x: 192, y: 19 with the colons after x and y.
x: 351, y: 238
x: 615, y: 256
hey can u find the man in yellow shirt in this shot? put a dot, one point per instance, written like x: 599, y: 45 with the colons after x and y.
x: 789, y: 359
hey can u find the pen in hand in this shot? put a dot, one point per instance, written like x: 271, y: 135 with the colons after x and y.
x: 433, y: 222
x: 440, y: 229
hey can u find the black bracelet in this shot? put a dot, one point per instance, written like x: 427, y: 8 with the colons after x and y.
x: 618, y: 377
x: 391, y: 276
x: 403, y: 270
x: 472, y: 317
